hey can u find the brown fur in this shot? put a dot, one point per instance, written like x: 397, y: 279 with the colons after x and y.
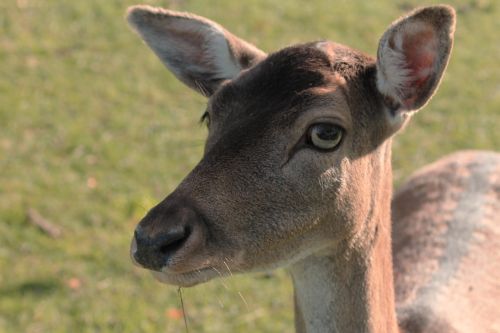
x: 447, y: 243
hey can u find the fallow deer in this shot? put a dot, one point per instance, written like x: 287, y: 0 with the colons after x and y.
x: 296, y: 172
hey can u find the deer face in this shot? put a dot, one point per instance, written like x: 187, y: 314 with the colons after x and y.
x: 295, y: 157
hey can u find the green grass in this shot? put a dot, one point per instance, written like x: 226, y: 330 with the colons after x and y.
x: 81, y: 97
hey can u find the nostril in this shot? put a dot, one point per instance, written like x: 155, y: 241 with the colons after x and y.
x: 167, y: 237
x: 175, y: 241
x: 154, y: 252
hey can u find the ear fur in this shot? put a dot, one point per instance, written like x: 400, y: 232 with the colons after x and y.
x: 199, y: 52
x: 412, y: 57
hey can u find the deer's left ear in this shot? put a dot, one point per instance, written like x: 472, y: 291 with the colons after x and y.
x: 411, y: 58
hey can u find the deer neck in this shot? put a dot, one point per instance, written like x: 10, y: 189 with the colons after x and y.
x: 350, y: 290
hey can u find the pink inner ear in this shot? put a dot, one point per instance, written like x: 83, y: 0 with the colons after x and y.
x: 420, y: 50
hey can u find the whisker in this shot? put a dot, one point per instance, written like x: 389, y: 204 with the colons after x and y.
x: 239, y: 292
x: 227, y: 266
x: 184, y: 315
x: 221, y: 277
x: 216, y: 270
x: 244, y: 300
x: 235, y: 269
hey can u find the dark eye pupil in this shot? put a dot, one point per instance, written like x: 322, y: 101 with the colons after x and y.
x: 327, y: 132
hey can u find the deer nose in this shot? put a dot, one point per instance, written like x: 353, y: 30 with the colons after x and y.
x: 154, y: 252
x: 167, y: 237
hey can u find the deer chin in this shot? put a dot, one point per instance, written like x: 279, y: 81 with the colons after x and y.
x: 186, y: 279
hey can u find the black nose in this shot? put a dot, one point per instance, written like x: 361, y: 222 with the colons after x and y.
x: 164, y: 234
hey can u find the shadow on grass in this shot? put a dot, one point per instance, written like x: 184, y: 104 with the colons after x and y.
x: 30, y: 288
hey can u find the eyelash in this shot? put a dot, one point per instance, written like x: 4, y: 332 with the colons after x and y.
x: 205, y: 119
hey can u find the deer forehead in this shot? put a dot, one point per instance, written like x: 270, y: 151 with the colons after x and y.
x: 289, y: 83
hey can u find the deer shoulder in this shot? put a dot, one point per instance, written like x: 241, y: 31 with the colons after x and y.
x: 446, y: 245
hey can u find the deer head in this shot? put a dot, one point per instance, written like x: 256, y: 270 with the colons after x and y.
x: 297, y: 159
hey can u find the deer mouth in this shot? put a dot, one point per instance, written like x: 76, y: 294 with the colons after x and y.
x: 187, y: 279
x: 173, y: 275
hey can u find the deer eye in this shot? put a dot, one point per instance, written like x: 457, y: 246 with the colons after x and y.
x: 324, y: 136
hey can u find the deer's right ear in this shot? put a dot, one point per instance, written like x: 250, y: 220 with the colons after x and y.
x: 411, y: 59
x: 199, y: 52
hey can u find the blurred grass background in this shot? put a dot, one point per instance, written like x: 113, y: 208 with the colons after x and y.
x: 94, y: 131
